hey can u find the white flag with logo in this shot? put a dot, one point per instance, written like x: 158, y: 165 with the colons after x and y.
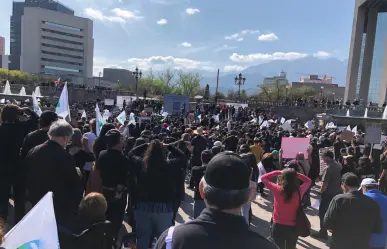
x: 37, y: 109
x: 132, y: 119
x: 98, y: 119
x: 84, y: 114
x: 122, y: 117
x: 36, y: 230
x: 63, y: 107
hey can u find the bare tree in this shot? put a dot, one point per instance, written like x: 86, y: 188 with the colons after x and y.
x: 167, y: 75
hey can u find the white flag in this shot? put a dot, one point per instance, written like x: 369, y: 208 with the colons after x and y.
x: 63, y: 108
x: 349, y: 128
x: 122, y: 117
x: 98, y: 119
x: 264, y: 124
x: 132, y: 119
x: 260, y: 120
x: 164, y: 114
x: 385, y: 113
x: 287, y: 125
x: 309, y: 125
x: 216, y: 118
x: 354, y: 130
x: 283, y: 120
x: 84, y: 114
x: 37, y: 229
x: 37, y: 109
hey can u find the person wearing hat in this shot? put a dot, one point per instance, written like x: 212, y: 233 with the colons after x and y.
x: 352, y: 217
x: 225, y: 187
x: 198, y: 143
x: 331, y: 186
x: 370, y: 188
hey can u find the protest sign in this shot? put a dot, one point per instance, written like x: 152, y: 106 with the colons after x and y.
x: 291, y: 146
x: 373, y: 133
x: 37, y: 229
x: 347, y: 135
x: 323, y: 165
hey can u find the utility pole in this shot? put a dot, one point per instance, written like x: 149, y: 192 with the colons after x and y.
x: 216, y: 91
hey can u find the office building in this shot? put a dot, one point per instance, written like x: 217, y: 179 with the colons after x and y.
x: 367, y: 66
x: 55, y: 43
x: 281, y: 79
x: 15, y: 25
x: 121, y: 76
x: 2, y: 45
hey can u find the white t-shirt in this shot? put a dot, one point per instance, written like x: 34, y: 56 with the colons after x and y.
x: 91, y: 137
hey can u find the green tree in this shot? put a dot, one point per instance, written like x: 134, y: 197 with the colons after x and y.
x: 167, y: 75
x: 187, y: 83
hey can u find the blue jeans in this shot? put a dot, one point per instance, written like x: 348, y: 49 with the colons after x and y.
x: 246, y: 212
x: 150, y: 224
x: 199, y: 205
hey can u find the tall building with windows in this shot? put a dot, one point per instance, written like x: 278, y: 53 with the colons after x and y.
x: 2, y: 45
x: 367, y: 66
x: 55, y: 43
x: 15, y: 24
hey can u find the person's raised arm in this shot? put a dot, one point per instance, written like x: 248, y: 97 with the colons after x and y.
x: 266, y: 179
x: 306, y: 183
x: 177, y: 153
x: 133, y: 155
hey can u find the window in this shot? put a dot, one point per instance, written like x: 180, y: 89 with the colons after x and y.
x: 64, y: 62
x: 60, y: 47
x: 62, y: 33
x: 63, y: 69
x: 61, y: 26
x: 64, y: 55
x: 62, y: 40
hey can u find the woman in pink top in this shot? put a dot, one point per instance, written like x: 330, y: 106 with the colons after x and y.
x: 287, y: 194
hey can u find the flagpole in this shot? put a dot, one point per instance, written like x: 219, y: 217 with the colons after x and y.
x: 217, y: 85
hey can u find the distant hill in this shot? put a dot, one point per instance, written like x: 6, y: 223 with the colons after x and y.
x: 294, y: 69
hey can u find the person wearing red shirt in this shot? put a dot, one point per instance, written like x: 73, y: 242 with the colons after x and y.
x: 287, y: 194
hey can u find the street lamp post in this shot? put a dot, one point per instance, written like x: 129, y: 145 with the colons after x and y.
x: 239, y: 80
x: 137, y: 75
x: 322, y: 89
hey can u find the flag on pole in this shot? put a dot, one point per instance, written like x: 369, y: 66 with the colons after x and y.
x: 349, y: 128
x: 385, y: 113
x: 132, y: 119
x: 122, y: 117
x: 98, y: 119
x: 283, y: 120
x: 37, y: 229
x: 84, y: 114
x: 309, y: 125
x: 354, y: 130
x: 35, y: 104
x: 63, y: 108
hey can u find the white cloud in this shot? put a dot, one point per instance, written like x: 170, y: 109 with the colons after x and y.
x: 225, y: 48
x: 186, y: 44
x: 239, y: 36
x: 160, y: 62
x: 322, y: 54
x: 126, y: 14
x: 259, y: 57
x: 121, y: 16
x: 162, y: 21
x: 233, y: 68
x: 268, y: 37
x: 191, y: 11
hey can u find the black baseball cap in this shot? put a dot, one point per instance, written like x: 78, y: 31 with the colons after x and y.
x: 350, y: 179
x: 227, y: 171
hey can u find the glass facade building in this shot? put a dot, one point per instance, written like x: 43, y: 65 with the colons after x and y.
x: 378, y: 58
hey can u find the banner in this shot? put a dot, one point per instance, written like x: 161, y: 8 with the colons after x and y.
x: 128, y: 99
x: 347, y: 135
x: 36, y: 230
x: 109, y: 102
x: 323, y: 165
x: 291, y: 146
x: 373, y: 133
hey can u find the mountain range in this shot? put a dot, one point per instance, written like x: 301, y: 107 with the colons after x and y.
x: 294, y: 69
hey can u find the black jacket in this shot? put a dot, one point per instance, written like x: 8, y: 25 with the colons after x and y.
x: 33, y: 139
x: 215, y: 229
x: 353, y: 217
x: 50, y: 167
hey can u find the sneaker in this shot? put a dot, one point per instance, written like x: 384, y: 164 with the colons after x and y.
x: 319, y: 235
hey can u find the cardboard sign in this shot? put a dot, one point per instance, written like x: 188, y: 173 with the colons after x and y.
x: 347, y: 135
x: 291, y: 146
x: 321, y: 151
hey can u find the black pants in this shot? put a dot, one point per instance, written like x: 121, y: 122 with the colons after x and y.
x: 324, y: 204
x: 175, y: 211
x: 19, y: 199
x: 284, y: 236
x: 115, y: 211
x: 260, y: 187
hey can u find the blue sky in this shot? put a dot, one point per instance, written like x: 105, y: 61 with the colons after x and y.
x: 210, y: 34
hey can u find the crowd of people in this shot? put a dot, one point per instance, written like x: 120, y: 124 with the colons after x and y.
x: 141, y: 172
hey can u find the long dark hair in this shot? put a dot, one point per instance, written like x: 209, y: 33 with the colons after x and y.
x: 154, y: 155
x: 289, y: 183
